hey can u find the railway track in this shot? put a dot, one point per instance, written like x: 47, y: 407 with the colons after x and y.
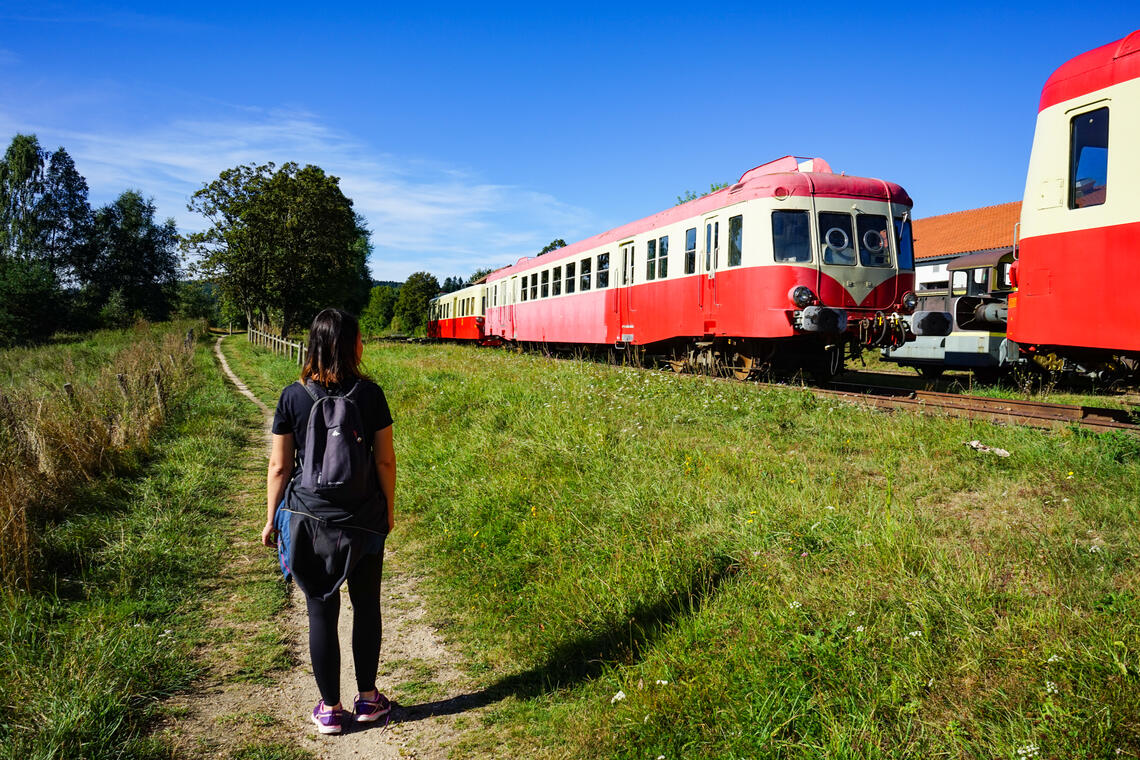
x: 997, y: 410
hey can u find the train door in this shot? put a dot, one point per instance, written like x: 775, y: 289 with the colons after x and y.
x: 512, y: 296
x: 625, y: 293
x: 709, y: 263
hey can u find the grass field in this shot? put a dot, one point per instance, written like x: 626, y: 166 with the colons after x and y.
x: 115, y: 619
x: 640, y: 564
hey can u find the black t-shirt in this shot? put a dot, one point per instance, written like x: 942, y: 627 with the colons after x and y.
x: 292, y: 415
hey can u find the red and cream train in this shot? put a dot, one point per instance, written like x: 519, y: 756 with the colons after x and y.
x: 1078, y: 257
x: 785, y: 268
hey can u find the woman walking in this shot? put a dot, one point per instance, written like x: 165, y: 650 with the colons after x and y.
x: 330, y: 491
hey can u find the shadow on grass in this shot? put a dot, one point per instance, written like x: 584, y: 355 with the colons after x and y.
x: 585, y: 658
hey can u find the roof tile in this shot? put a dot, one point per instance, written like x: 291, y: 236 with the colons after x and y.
x: 979, y: 229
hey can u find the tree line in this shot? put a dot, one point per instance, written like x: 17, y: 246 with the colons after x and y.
x: 67, y: 266
x: 280, y: 243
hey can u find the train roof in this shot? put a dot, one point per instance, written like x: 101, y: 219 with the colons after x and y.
x: 1107, y: 65
x: 784, y: 177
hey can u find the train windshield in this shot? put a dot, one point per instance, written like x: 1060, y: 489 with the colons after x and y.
x: 874, y: 246
x: 836, y: 239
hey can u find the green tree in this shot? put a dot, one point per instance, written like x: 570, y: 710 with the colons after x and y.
x: 377, y: 315
x: 281, y: 242
x: 22, y: 184
x: 31, y: 303
x: 196, y: 300
x: 133, y: 255
x: 553, y: 245
x: 412, y: 303
x: 478, y: 274
x: 691, y: 196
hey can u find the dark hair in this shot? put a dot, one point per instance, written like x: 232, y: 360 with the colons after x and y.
x: 332, y: 349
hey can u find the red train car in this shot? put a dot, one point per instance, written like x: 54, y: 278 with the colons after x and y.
x: 1079, y: 249
x: 458, y: 315
x: 788, y: 266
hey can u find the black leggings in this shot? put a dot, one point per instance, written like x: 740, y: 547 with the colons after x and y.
x: 324, y: 644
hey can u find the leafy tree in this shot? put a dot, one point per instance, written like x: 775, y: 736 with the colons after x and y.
x: 196, y: 300
x: 452, y: 284
x: 65, y: 217
x: 691, y: 196
x: 553, y: 245
x: 412, y: 303
x: 44, y: 213
x: 478, y: 274
x: 21, y: 188
x: 282, y: 242
x: 377, y: 315
x: 31, y: 304
x: 134, y: 256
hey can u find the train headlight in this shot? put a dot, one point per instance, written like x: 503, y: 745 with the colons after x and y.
x: 909, y: 302
x: 801, y: 296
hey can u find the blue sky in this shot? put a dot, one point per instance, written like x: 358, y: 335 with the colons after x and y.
x: 469, y: 135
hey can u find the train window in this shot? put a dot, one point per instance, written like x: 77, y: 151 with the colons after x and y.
x: 690, y: 250
x: 835, y: 239
x: 546, y: 283
x: 483, y: 305
x: 1088, y: 159
x: 570, y: 278
x: 534, y: 286
x: 874, y: 245
x: 791, y: 235
x: 663, y: 256
x: 735, y: 239
x: 584, y: 274
x: 602, y: 275
x: 906, y: 241
x: 1003, y: 279
x: 651, y: 260
x: 556, y: 282
x: 495, y: 296
x: 712, y: 245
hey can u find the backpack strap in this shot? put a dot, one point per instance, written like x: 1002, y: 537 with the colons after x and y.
x: 353, y: 389
x: 312, y: 389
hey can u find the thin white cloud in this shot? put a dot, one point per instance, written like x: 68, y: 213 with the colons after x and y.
x: 8, y: 57
x: 422, y: 215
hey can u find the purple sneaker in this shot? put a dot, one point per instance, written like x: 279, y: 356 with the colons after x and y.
x: 328, y: 720
x: 368, y: 710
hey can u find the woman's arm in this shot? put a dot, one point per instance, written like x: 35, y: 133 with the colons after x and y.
x: 280, y: 467
x: 386, y: 469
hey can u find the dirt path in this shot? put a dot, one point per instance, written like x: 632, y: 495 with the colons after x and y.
x: 416, y: 670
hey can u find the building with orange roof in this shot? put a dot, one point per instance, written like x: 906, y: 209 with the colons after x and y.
x: 940, y: 239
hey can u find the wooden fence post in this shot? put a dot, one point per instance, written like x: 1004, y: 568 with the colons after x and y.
x: 70, y: 391
x: 123, y: 386
x: 159, y: 393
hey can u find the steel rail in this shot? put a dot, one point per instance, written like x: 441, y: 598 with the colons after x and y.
x: 998, y: 410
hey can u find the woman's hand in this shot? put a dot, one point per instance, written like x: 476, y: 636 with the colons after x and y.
x: 269, y: 535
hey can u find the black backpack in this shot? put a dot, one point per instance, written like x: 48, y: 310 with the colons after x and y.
x: 336, y: 462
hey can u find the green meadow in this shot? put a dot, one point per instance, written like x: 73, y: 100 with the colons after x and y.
x: 638, y: 564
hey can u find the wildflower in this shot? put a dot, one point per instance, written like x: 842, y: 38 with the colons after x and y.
x: 1053, y: 658
x: 860, y: 629
x: 617, y: 697
x: 850, y: 613
x: 830, y: 507
x: 1094, y: 549
x: 659, y: 682
x: 915, y: 634
x: 803, y: 554
x: 1069, y: 476
x: 1028, y: 751
x: 1050, y: 687
x: 795, y: 605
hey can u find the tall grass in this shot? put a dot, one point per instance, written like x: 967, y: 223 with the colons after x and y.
x: 114, y: 623
x: 643, y: 564
x: 70, y: 411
